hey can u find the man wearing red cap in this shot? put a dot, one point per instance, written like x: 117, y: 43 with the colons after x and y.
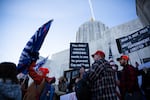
x: 101, y: 77
x: 129, y: 82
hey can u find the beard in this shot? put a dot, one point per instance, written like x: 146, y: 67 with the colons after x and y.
x: 122, y: 64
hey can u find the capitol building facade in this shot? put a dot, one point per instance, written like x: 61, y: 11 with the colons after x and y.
x: 99, y: 37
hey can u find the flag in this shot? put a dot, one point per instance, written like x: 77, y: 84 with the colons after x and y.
x: 40, y: 64
x: 32, y: 47
x: 114, y: 67
x: 111, y: 61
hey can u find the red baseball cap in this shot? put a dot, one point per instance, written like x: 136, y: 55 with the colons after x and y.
x: 99, y: 52
x: 125, y: 57
x: 44, y: 70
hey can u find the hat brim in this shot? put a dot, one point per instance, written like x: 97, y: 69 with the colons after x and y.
x: 118, y: 59
x: 93, y: 55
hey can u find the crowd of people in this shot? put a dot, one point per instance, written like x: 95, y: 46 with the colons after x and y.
x: 107, y: 83
x: 100, y: 82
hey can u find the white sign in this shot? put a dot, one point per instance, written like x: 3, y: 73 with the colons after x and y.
x: 134, y: 41
x: 70, y: 96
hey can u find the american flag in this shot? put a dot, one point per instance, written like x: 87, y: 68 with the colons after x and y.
x: 33, y: 46
x: 40, y: 64
x: 113, y: 65
x: 111, y: 61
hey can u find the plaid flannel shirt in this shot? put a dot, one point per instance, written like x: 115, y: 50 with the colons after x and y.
x: 102, y: 82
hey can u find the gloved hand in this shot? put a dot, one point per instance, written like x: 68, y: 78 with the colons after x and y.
x: 51, y: 80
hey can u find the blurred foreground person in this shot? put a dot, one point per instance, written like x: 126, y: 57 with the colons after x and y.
x: 82, y: 86
x: 101, y: 76
x: 24, y: 82
x: 41, y: 88
x: 9, y: 84
x: 144, y: 79
x: 129, y: 82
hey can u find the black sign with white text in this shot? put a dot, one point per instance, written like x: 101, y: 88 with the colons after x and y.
x: 135, y: 41
x: 79, y: 55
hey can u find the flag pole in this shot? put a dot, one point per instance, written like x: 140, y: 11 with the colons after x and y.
x: 110, y: 52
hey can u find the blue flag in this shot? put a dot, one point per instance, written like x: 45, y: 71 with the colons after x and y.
x: 32, y: 47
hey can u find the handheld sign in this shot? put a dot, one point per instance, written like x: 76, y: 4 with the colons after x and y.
x: 79, y: 55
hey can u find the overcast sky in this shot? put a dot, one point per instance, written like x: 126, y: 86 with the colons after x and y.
x: 21, y: 18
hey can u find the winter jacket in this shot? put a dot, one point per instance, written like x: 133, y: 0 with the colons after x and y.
x: 9, y: 90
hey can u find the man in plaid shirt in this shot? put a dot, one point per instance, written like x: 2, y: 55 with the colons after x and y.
x: 101, y: 77
x: 129, y: 82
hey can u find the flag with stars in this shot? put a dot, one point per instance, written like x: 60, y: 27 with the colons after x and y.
x: 31, y: 50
